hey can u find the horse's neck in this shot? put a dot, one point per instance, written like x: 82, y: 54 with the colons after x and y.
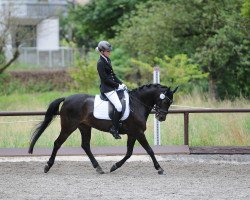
x: 148, y: 97
x: 143, y: 102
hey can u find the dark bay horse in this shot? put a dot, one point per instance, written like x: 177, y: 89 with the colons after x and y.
x: 77, y: 112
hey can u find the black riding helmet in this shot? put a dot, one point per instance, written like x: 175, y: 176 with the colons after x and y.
x: 104, y: 46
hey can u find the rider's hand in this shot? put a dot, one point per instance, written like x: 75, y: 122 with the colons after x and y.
x: 120, y: 87
x: 124, y: 86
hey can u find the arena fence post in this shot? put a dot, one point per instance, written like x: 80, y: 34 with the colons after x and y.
x: 157, y: 130
x: 186, y: 120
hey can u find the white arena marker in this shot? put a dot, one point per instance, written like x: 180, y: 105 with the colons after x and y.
x: 157, y: 130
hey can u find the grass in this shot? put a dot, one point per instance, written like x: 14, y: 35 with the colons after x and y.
x: 22, y: 67
x: 204, y: 129
x: 218, y: 129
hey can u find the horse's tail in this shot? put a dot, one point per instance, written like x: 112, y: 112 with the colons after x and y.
x: 51, y: 112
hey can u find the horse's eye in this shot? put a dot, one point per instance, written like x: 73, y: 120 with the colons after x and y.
x: 166, y: 102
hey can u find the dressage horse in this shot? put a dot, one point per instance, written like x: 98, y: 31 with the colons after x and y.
x: 77, y: 112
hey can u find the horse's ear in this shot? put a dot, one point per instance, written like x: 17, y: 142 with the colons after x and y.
x: 167, y: 90
x: 175, y: 89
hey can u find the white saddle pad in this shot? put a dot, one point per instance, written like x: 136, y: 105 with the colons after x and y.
x: 101, y: 108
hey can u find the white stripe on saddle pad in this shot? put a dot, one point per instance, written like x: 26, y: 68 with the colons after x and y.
x: 101, y: 108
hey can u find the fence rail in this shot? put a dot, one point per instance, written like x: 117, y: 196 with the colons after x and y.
x: 185, y: 112
x: 63, y: 57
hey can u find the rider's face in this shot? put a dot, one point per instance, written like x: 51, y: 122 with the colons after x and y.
x: 107, y: 53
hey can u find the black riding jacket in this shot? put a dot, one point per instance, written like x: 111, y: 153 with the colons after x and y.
x: 109, y: 81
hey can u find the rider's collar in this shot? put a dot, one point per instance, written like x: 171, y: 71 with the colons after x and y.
x: 105, y: 58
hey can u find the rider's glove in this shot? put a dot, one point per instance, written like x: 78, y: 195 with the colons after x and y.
x: 120, y: 87
x: 124, y: 87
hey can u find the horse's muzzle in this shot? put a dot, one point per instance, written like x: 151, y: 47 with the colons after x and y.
x: 161, y: 118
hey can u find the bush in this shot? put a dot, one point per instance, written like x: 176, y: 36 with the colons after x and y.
x: 181, y: 71
x: 139, y: 74
x: 121, y: 63
x: 85, y: 74
x: 34, y: 81
x: 176, y: 71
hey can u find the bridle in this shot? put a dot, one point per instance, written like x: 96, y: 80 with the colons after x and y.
x: 158, y: 110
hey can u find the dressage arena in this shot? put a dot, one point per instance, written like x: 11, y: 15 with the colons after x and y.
x: 186, y: 177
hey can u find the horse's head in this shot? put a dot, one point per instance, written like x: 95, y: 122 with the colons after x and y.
x: 163, y: 102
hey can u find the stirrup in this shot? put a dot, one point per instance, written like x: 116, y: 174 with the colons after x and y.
x: 114, y: 132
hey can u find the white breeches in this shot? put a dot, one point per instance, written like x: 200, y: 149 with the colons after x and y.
x: 113, y: 97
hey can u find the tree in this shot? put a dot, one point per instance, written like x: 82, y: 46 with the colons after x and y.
x: 213, y: 33
x: 177, y: 71
x: 225, y: 54
x: 245, y: 10
x: 95, y: 20
x: 145, y: 33
x: 12, y: 35
x: 226, y: 57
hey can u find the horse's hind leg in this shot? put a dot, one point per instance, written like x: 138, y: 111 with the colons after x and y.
x: 130, y: 146
x: 86, y: 136
x: 64, y: 134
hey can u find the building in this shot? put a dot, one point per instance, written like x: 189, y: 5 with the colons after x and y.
x: 41, y: 17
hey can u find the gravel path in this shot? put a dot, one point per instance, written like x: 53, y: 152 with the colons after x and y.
x: 186, y: 177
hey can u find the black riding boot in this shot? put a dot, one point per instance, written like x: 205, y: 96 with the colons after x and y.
x: 114, y: 130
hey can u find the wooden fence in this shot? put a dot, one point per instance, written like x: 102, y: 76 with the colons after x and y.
x: 185, y: 113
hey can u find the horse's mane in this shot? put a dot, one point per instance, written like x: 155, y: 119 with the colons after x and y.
x: 147, y: 86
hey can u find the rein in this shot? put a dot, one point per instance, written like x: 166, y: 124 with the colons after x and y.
x: 139, y: 101
x: 158, y: 110
x: 155, y: 107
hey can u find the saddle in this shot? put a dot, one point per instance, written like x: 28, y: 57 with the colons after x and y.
x: 103, y: 109
x: 111, y: 107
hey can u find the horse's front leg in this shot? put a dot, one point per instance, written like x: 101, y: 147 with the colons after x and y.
x: 143, y: 141
x: 130, y: 147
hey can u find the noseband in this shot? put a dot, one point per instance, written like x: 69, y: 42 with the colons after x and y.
x: 158, y: 109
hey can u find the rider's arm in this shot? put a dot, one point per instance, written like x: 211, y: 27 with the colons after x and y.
x: 106, y: 78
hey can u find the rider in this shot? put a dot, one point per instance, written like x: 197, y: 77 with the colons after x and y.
x: 110, y: 84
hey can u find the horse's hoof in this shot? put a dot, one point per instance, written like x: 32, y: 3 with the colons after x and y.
x: 46, y: 169
x: 117, y: 137
x: 99, y: 170
x: 161, y: 171
x: 113, y: 168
